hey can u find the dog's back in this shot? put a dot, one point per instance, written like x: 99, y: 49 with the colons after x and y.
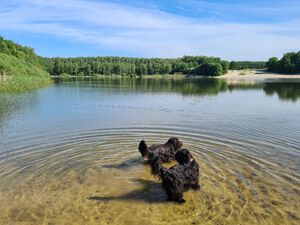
x: 187, y: 173
x: 178, y: 178
x: 163, y: 151
x: 166, y: 152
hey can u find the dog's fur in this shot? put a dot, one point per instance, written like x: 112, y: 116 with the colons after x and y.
x: 178, y: 178
x: 165, y: 152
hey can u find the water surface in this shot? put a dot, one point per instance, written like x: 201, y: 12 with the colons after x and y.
x: 68, y: 153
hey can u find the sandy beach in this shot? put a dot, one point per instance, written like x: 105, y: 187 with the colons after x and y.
x: 256, y: 74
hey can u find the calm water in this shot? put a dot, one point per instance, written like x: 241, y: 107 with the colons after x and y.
x: 68, y: 153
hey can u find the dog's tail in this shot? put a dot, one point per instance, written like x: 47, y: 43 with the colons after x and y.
x: 156, y: 166
x: 143, y: 148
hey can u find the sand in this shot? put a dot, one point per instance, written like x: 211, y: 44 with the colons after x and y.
x: 256, y: 74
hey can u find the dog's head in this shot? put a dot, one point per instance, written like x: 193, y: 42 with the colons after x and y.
x: 183, y: 156
x: 175, y: 142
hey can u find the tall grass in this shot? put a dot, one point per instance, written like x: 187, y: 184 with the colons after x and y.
x: 17, y: 75
x: 20, y: 84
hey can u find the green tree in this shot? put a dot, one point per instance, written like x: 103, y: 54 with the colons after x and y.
x: 208, y: 69
x: 272, y: 64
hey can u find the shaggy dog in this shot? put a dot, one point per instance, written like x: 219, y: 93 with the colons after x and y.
x: 165, y: 152
x: 178, y: 178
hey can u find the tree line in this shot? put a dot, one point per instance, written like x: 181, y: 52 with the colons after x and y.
x: 127, y: 66
x: 288, y: 64
x: 240, y: 65
x: 88, y: 66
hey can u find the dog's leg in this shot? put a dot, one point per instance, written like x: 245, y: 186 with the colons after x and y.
x: 196, y: 186
x: 174, y: 195
x: 179, y: 198
x: 181, y: 201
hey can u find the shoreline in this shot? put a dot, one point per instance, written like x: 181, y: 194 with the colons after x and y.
x: 21, y: 84
x: 246, y: 74
x: 256, y: 74
x: 159, y: 76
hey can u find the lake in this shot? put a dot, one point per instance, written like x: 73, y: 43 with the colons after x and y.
x: 68, y: 152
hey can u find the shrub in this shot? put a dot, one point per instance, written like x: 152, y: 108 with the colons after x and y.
x: 208, y: 69
x: 289, y: 63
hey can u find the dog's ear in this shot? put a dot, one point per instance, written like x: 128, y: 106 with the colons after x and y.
x: 183, y: 156
x: 143, y: 148
x: 177, y: 144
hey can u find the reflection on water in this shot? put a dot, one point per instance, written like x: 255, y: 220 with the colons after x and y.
x: 68, y: 153
x: 287, y: 90
x: 11, y: 104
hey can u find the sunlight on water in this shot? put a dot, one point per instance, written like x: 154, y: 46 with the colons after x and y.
x: 69, y: 154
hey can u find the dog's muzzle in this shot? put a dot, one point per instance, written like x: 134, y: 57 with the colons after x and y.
x: 145, y: 158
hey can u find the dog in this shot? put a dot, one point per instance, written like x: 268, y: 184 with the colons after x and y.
x: 178, y: 178
x: 166, y: 152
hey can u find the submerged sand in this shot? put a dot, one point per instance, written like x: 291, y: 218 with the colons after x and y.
x: 118, y: 194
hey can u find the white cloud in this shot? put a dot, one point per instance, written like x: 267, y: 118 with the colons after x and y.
x: 149, y: 32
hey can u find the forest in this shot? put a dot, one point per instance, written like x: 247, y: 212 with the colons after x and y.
x: 30, y: 63
x: 126, y: 66
x: 240, y: 65
x: 288, y: 64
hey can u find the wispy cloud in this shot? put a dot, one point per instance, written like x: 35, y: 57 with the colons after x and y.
x: 271, y: 10
x: 152, y: 32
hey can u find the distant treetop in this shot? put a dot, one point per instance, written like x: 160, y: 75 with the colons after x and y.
x: 288, y: 64
x: 22, y: 52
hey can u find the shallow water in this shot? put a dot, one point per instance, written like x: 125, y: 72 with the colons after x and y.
x: 68, y: 153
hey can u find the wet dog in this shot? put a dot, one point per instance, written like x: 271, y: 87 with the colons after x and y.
x: 178, y: 178
x: 165, y: 152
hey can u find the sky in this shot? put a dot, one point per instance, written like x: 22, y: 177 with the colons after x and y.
x: 230, y: 29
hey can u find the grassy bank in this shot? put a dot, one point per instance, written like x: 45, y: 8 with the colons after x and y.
x: 21, y: 84
x: 17, y: 75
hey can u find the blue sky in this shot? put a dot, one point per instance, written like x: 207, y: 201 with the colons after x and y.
x: 231, y: 29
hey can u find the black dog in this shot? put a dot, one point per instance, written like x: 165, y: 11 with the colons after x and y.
x: 178, y: 178
x: 166, y: 152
